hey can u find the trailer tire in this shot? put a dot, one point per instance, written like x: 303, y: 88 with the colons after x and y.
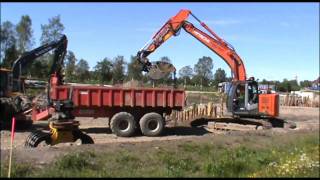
x: 123, y: 124
x: 151, y: 124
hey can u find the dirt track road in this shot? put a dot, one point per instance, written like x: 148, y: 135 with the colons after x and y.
x: 305, y: 118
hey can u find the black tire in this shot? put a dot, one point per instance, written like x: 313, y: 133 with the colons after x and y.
x: 152, y: 124
x: 85, y: 139
x: 123, y: 124
x: 35, y: 138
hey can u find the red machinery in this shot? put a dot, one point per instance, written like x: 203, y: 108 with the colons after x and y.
x: 244, y: 98
x: 126, y: 108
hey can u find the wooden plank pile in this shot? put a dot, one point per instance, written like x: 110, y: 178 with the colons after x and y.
x: 295, y: 100
x: 195, y: 111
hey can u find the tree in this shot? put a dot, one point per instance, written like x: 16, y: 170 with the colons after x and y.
x: 8, y: 41
x: 103, y: 70
x: 11, y: 54
x: 186, y: 73
x: 287, y: 86
x: 118, y: 69
x: 220, y: 75
x: 24, y: 34
x: 82, y: 70
x: 70, y: 66
x: 134, y: 69
x: 39, y: 69
x: 305, y: 83
x: 203, y: 70
x: 52, y: 31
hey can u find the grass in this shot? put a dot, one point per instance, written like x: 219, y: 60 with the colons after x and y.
x: 294, y: 157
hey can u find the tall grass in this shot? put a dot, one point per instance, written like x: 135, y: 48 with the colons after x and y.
x: 296, y: 157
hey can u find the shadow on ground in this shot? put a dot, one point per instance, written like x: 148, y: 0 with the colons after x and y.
x: 168, y: 131
x: 97, y: 130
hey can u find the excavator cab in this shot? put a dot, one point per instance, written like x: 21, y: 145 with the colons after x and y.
x: 245, y: 100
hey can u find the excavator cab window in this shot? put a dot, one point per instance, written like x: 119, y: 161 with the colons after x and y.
x: 253, y: 92
x: 239, y: 97
x: 246, y: 96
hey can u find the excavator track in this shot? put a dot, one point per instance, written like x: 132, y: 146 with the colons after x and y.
x: 243, y: 124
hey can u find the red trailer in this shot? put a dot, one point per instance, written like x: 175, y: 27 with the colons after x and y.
x: 126, y: 108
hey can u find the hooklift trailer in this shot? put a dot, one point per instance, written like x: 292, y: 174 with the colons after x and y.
x: 126, y: 108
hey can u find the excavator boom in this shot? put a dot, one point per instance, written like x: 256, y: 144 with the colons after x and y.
x: 215, y: 43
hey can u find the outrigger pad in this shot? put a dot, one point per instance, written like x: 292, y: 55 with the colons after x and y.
x: 160, y: 69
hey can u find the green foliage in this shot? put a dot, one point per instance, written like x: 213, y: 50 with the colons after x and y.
x: 18, y: 170
x: 305, y: 83
x: 185, y: 74
x: 70, y: 66
x: 220, y: 75
x: 296, y: 156
x: 10, y: 55
x: 76, y: 161
x: 118, y: 75
x: 103, y: 70
x: 134, y: 69
x: 52, y: 31
x: 8, y: 41
x: 24, y: 34
x: 82, y: 70
x: 287, y: 86
x: 203, y: 71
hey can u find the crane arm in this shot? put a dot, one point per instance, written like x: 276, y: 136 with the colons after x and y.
x: 215, y: 43
x: 60, y: 47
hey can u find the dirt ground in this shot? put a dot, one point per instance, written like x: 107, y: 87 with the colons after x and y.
x: 306, y: 119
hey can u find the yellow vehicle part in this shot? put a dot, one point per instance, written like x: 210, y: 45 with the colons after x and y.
x: 60, y: 135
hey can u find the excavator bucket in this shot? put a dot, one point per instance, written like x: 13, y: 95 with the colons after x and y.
x: 160, y: 69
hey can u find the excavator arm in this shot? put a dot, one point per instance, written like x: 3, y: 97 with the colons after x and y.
x: 172, y: 28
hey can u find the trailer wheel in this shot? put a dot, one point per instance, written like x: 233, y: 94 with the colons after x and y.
x: 123, y: 124
x: 152, y: 124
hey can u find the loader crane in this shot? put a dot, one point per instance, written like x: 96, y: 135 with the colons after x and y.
x: 62, y: 126
x: 14, y: 102
x: 244, y: 99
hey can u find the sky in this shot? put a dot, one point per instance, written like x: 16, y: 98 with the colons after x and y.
x: 275, y: 40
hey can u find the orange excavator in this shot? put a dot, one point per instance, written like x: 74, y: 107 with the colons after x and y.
x: 244, y: 99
